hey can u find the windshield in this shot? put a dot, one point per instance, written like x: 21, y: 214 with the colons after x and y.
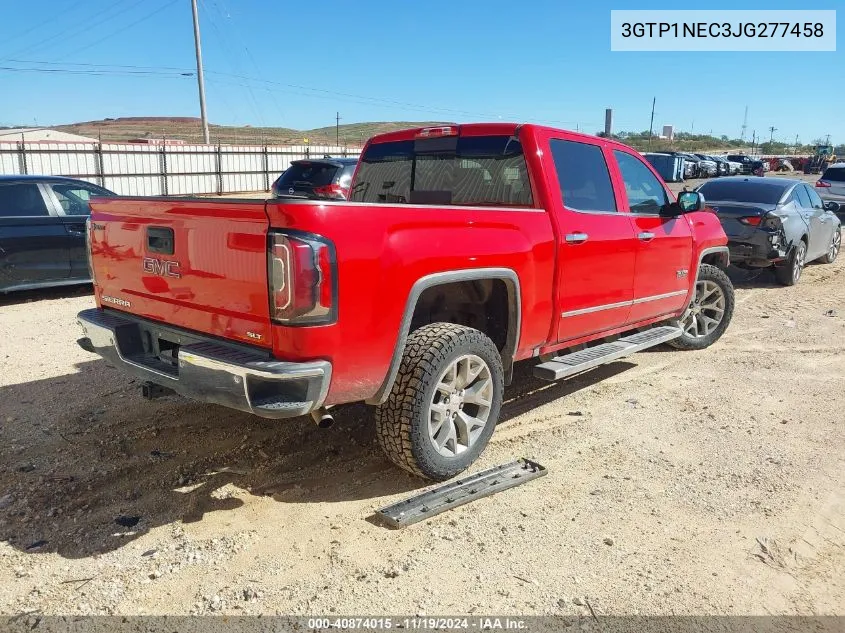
x: 759, y: 192
x: 472, y: 170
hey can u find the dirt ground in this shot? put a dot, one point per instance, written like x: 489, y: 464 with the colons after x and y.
x: 705, y: 482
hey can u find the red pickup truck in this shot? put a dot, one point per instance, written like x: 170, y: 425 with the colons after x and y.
x: 461, y: 250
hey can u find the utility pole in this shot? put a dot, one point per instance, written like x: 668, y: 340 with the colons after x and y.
x: 827, y: 141
x: 753, y: 142
x: 651, y: 125
x: 796, y: 144
x: 200, y: 78
x: 337, y: 129
x: 744, y: 125
x: 772, y: 131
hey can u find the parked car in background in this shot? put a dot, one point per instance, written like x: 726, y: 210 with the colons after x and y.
x: 316, y: 178
x: 722, y: 165
x: 42, y: 231
x: 671, y: 167
x: 831, y: 187
x: 735, y: 167
x: 706, y: 166
x: 775, y: 221
x: 750, y: 166
x: 691, y: 169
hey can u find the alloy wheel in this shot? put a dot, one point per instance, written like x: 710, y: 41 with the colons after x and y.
x: 460, y: 406
x: 835, y: 245
x: 706, y: 311
x: 800, y: 256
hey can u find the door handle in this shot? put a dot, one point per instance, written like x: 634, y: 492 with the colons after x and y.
x: 645, y: 236
x: 576, y: 238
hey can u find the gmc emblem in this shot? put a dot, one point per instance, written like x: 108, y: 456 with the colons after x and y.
x: 161, y: 267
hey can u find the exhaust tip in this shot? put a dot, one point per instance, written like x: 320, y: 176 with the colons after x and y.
x: 322, y: 418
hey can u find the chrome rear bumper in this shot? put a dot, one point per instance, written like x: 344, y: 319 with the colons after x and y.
x: 205, y: 369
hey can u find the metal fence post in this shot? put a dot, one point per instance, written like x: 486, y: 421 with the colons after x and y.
x: 22, y: 158
x: 219, y: 168
x: 266, y: 170
x: 163, y: 168
x: 101, y: 175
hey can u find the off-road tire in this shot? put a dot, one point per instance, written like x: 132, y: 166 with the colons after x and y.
x: 832, y: 253
x: 709, y: 272
x: 402, y: 420
x: 786, y: 274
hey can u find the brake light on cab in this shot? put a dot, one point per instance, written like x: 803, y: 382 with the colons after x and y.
x: 432, y: 132
x: 302, y: 279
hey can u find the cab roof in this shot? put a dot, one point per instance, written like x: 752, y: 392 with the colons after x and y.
x: 484, y: 129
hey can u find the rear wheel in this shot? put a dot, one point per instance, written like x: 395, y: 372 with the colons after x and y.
x: 833, y: 249
x: 445, y: 402
x: 790, y: 274
x: 709, y: 313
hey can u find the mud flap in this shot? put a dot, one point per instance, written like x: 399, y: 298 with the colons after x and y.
x: 457, y: 493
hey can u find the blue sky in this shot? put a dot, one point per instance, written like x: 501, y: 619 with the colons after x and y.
x: 545, y: 61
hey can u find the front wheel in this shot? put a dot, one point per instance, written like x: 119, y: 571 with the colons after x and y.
x: 709, y: 313
x: 445, y: 402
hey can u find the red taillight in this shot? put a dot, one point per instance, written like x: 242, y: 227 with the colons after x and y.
x: 301, y: 280
x: 430, y: 132
x: 332, y: 191
x: 822, y: 183
x: 753, y: 220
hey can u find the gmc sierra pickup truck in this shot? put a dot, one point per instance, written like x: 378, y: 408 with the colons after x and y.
x: 462, y: 249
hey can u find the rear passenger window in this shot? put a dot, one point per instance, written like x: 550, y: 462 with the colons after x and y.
x: 73, y: 198
x: 21, y: 199
x: 803, y: 198
x: 645, y: 192
x: 815, y: 199
x: 583, y: 176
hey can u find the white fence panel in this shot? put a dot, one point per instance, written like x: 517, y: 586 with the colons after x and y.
x: 153, y: 170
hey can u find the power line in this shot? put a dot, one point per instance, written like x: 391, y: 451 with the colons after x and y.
x: 228, y: 16
x: 166, y: 5
x: 88, y: 64
x: 96, y: 72
x: 232, y: 63
x: 42, y: 23
x: 74, y: 27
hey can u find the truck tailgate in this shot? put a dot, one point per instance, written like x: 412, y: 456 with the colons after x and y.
x: 194, y: 264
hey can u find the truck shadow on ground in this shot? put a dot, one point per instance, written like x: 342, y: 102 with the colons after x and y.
x: 87, y: 466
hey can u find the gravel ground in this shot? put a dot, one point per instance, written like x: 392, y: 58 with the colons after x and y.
x: 679, y: 483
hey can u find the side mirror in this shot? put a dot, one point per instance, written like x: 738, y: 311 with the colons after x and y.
x: 830, y: 205
x: 689, y: 201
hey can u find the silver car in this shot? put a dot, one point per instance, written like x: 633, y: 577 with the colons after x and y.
x: 831, y: 186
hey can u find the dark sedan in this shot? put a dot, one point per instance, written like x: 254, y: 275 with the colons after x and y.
x: 42, y: 231
x: 774, y: 221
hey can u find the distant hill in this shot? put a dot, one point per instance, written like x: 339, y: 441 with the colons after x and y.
x: 355, y: 134
x: 188, y: 129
